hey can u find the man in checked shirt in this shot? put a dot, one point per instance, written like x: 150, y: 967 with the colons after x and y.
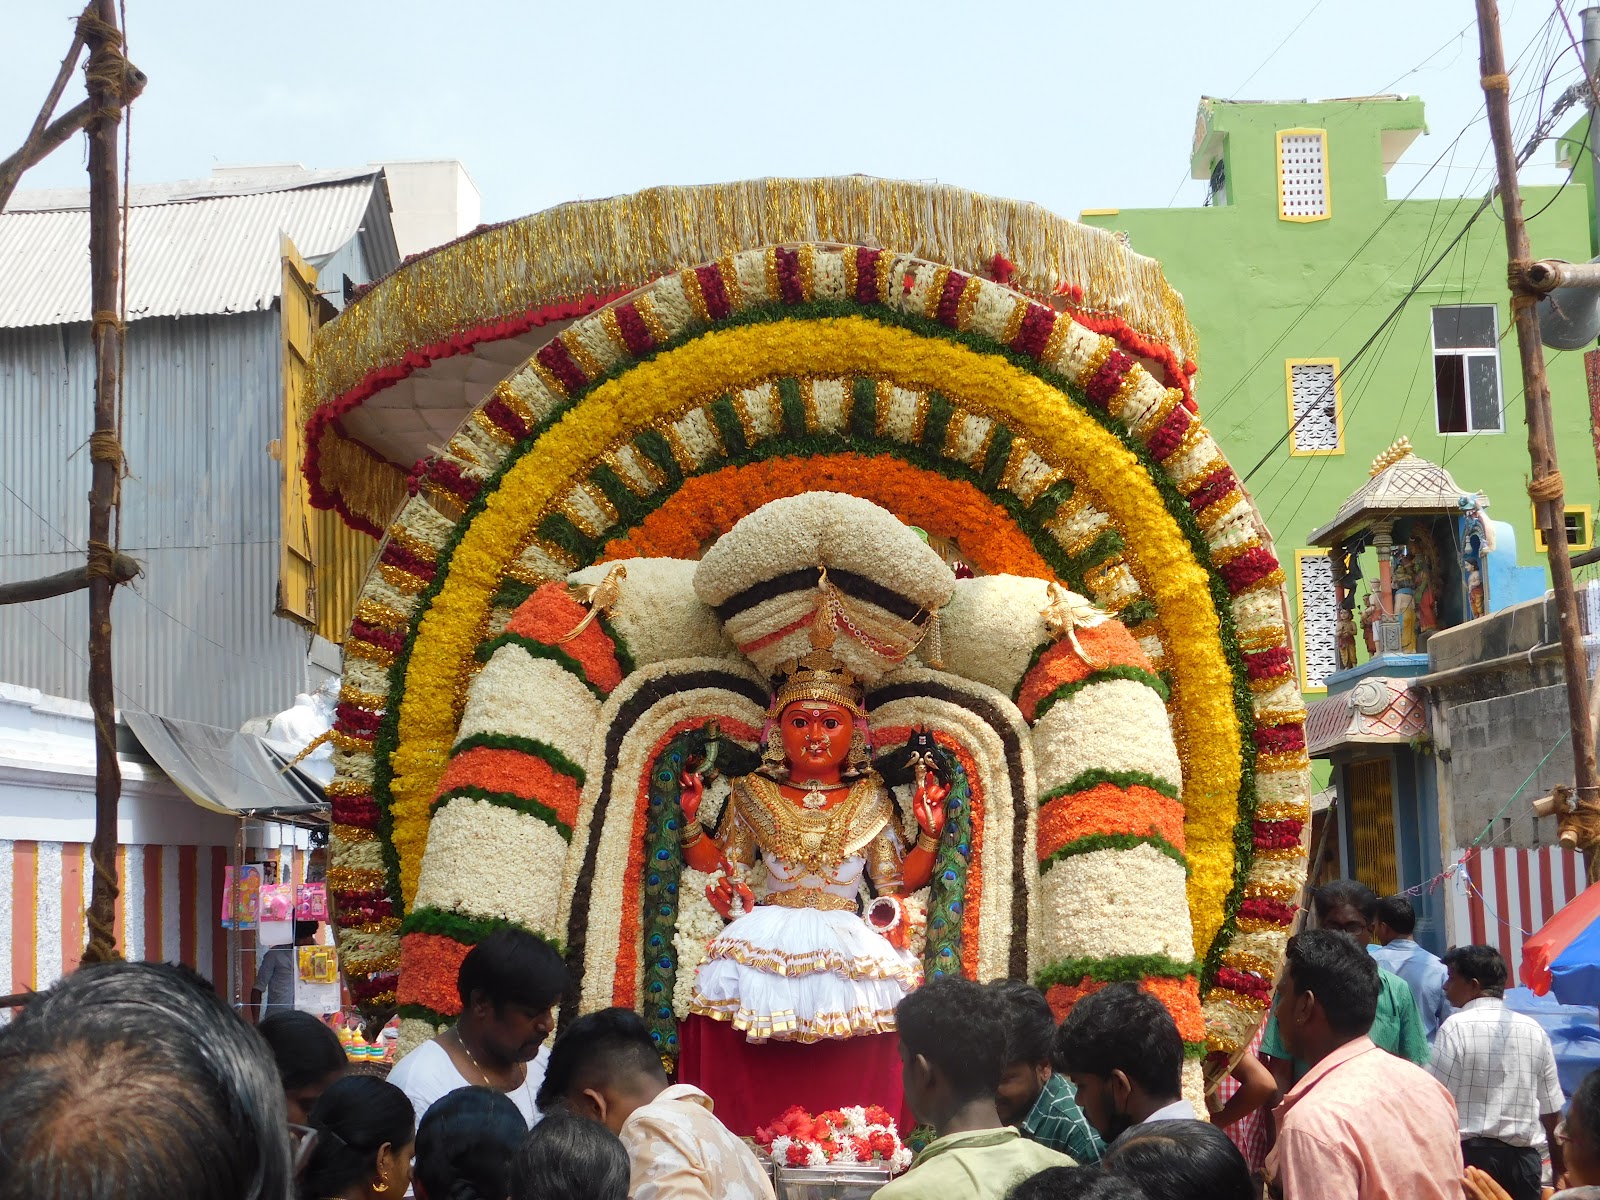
x: 1501, y: 1070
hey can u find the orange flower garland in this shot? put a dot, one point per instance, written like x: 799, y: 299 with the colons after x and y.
x: 514, y: 773
x: 707, y: 505
x: 557, y: 616
x: 1107, y: 808
x: 1181, y: 997
x: 432, y: 962
x: 1108, y: 644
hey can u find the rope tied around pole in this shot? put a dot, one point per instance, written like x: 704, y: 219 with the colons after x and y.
x: 1496, y: 83
x: 107, y: 68
x: 104, y: 318
x: 102, y: 945
x: 1546, y: 488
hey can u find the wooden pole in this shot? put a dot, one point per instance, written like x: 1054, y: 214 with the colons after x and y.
x: 11, y: 170
x: 1546, y: 489
x: 107, y: 74
x: 123, y: 569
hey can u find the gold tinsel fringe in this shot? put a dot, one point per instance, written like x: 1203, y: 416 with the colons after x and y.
x: 370, y: 487
x: 599, y: 247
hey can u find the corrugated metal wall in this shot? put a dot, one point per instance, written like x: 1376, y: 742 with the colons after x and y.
x: 196, y: 637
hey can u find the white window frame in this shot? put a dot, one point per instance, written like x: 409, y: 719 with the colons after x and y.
x: 1295, y: 449
x: 1327, y: 180
x: 1466, y: 353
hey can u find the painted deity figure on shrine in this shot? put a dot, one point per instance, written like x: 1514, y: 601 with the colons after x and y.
x: 1405, y: 600
x: 1425, y: 571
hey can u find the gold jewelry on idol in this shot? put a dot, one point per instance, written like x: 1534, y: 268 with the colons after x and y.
x: 818, y: 676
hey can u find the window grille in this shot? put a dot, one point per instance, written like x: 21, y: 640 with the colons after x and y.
x: 1303, y: 175
x: 1319, y: 618
x: 1314, y: 418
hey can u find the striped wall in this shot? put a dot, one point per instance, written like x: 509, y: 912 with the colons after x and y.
x: 1503, y: 895
x: 168, y: 909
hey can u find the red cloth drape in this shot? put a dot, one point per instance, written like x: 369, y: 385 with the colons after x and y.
x: 753, y: 1082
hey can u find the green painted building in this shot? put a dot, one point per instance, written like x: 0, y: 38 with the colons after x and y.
x: 1292, y: 265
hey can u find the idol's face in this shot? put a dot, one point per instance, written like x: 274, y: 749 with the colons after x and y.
x: 816, y: 736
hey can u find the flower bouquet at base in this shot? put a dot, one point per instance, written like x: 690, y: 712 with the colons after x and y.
x: 857, y: 1136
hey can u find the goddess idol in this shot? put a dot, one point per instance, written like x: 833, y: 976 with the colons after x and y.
x: 801, y: 964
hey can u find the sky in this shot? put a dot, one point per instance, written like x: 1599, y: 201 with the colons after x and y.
x: 1069, y: 105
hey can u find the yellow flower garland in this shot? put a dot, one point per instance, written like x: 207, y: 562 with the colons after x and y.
x: 734, y: 358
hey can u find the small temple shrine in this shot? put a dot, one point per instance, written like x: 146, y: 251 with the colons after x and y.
x: 1409, y: 553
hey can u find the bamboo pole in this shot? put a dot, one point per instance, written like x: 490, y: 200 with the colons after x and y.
x: 1546, y: 488
x: 107, y: 74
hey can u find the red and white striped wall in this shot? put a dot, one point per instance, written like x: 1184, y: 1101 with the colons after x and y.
x: 1503, y: 895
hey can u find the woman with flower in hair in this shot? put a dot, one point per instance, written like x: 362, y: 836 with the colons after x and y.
x: 801, y: 964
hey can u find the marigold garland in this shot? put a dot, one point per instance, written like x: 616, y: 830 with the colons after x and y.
x: 706, y: 506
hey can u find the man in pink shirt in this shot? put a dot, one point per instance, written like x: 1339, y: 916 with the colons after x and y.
x: 1361, y: 1124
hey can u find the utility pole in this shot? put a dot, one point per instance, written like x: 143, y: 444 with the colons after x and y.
x: 106, y: 73
x: 1546, y: 488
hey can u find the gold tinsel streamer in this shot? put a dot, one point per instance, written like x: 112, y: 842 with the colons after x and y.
x: 600, y: 247
x: 369, y: 486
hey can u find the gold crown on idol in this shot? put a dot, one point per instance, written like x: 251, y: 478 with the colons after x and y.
x: 818, y: 676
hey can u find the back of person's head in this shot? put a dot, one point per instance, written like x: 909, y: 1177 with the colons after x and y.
x: 1396, y: 912
x: 1341, y: 975
x: 308, y: 1055
x: 609, y: 1050
x: 1181, y: 1160
x: 1583, y: 1133
x: 465, y: 1143
x: 135, y: 1081
x: 305, y: 929
x: 567, y: 1157
x: 512, y: 966
x: 1075, y: 1183
x: 1030, y: 1025
x: 364, y: 1128
x: 1479, y: 964
x: 954, y: 1025
x: 1123, y: 1028
x: 1350, y: 892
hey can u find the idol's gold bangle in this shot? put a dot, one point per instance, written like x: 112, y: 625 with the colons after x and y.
x: 925, y: 842
x: 692, y: 834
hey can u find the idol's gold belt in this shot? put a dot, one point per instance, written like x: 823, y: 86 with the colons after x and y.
x: 809, y: 897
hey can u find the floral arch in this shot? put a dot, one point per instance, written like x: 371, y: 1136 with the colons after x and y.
x: 1033, y: 444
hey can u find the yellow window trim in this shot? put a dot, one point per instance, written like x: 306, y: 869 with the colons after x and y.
x: 1327, y: 179
x: 1540, y: 546
x: 1289, y: 364
x: 1300, y: 618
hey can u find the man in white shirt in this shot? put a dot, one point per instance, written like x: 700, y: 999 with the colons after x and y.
x: 1122, y: 1050
x: 1398, y: 952
x: 509, y: 985
x: 1501, y: 1070
x: 605, y: 1066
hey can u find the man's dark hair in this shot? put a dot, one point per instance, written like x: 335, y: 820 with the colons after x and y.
x: 354, y: 1119
x: 568, y: 1157
x: 465, y: 1142
x: 954, y: 1024
x: 595, y: 1050
x: 1030, y: 1025
x: 1340, y: 974
x: 1396, y: 912
x: 1345, y: 891
x: 512, y: 966
x: 1583, y: 1113
x: 1123, y: 1028
x: 305, y: 929
x: 1075, y: 1183
x: 1479, y: 964
x: 1181, y: 1160
x: 134, y: 1081
x: 307, y: 1051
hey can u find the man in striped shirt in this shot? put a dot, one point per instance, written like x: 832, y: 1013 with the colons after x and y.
x: 1501, y: 1070
x: 1032, y: 1096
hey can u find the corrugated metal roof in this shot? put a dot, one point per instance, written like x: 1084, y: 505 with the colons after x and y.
x: 213, y: 254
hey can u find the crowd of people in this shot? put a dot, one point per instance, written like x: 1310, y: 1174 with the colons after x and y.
x: 1387, y: 1073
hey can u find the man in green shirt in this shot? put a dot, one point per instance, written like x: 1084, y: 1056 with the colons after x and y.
x: 1032, y: 1096
x: 952, y: 1045
x: 1349, y: 906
